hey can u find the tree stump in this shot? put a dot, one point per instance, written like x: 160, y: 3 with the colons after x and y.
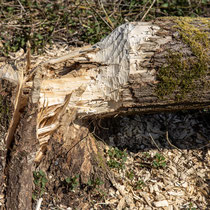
x: 141, y: 67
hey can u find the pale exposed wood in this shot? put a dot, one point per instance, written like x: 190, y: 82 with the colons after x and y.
x: 16, y: 114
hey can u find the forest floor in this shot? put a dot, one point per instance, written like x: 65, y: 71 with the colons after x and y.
x: 158, y: 161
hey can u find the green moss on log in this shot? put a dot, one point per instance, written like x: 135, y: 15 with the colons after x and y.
x: 184, y: 75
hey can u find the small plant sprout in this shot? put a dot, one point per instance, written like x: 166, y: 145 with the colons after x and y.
x: 95, y: 186
x: 159, y: 161
x: 130, y: 174
x: 139, y: 184
x: 191, y: 207
x: 117, y: 158
x: 72, y: 182
x: 94, y: 183
x: 40, y: 181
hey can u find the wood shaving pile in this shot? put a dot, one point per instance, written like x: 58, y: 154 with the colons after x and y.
x: 182, y: 183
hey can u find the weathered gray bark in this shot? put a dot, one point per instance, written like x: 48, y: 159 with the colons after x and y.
x: 125, y: 73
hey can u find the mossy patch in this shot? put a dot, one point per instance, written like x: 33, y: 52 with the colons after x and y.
x: 184, y: 75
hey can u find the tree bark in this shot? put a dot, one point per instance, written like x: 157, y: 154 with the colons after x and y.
x: 139, y: 68
x: 21, y: 163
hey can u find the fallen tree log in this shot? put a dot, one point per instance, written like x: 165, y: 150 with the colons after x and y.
x: 140, y: 67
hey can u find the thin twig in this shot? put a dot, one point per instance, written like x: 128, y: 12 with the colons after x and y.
x: 78, y: 142
x: 100, y: 126
x: 21, y: 6
x: 39, y: 202
x: 98, y: 137
x: 28, y: 56
x: 148, y: 10
x: 137, y: 16
x: 206, y: 145
x: 99, y: 15
x: 154, y: 142
x: 171, y: 143
x: 107, y: 17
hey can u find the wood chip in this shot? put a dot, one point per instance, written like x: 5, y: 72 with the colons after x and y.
x: 161, y: 203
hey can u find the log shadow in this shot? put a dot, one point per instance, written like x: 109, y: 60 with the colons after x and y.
x: 185, y: 130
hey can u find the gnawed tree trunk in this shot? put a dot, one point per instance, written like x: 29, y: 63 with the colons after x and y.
x: 140, y: 67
